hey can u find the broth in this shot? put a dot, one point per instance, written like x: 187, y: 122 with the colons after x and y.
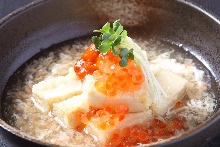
x: 20, y: 112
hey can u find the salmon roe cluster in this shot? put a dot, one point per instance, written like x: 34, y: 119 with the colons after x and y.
x: 106, y: 118
x: 136, y: 135
x: 87, y: 63
x: 110, y: 77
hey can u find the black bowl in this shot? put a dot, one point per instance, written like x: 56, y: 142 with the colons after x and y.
x: 43, y: 23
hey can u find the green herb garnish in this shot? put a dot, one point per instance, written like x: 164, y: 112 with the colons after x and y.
x: 123, y: 46
x: 111, y: 39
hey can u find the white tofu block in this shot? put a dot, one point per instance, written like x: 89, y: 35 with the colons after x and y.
x: 65, y: 111
x: 174, y: 86
x: 56, y: 89
x: 130, y: 120
x: 137, y: 101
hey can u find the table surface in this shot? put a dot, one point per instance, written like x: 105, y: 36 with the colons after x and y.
x: 8, y: 6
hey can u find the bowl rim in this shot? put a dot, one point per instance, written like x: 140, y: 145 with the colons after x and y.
x: 212, y: 120
x: 19, y: 11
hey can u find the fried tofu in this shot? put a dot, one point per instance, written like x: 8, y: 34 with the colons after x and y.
x: 56, y: 89
x: 65, y: 111
x: 174, y: 86
x: 136, y: 101
x: 130, y: 120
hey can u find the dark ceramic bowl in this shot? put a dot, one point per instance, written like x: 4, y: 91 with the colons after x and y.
x: 43, y: 23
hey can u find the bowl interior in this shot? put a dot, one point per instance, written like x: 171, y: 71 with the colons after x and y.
x: 51, y: 22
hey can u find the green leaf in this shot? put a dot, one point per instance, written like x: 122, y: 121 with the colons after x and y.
x: 116, y: 20
x: 124, y: 34
x: 115, y: 51
x: 113, y: 37
x: 100, y: 37
x: 111, y: 31
x: 97, y: 31
x: 131, y: 51
x: 104, y: 48
x: 96, y: 41
x: 117, y: 41
x: 105, y: 37
x: 130, y: 54
x: 116, y: 24
x: 119, y: 30
x: 123, y: 53
x: 105, y: 28
x: 123, y: 62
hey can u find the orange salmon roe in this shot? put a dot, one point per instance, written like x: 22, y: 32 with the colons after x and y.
x: 80, y: 128
x: 110, y: 77
x: 106, y: 118
x: 82, y: 117
x: 179, y: 105
x: 87, y: 63
x: 132, y: 136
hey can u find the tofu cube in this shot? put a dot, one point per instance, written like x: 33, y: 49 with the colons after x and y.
x: 137, y: 101
x: 65, y: 111
x: 130, y: 120
x: 56, y: 89
x: 174, y: 86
